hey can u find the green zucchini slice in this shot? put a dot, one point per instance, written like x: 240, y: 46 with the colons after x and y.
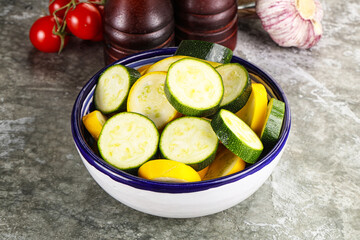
x: 189, y: 140
x: 237, y: 136
x: 270, y: 133
x: 113, y: 87
x: 237, y: 86
x: 127, y: 140
x: 205, y: 50
x: 194, y: 87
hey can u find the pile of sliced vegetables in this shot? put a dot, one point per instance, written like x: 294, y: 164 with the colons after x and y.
x: 185, y: 118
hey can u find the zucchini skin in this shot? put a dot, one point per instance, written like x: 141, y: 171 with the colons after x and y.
x: 271, y: 132
x: 231, y: 141
x: 205, y: 50
x: 133, y: 169
x: 186, y: 110
x: 133, y: 76
x: 201, y: 164
x: 242, y: 99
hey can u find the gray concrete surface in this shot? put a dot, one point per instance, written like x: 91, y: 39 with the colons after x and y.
x: 314, y: 193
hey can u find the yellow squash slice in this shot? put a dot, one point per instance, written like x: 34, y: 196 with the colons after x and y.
x: 94, y: 122
x: 165, y: 170
x: 147, y: 97
x: 164, y: 64
x: 142, y: 70
x: 225, y: 163
x: 203, y: 172
x: 254, y: 111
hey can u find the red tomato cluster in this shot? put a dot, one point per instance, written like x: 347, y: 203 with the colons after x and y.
x: 81, y: 19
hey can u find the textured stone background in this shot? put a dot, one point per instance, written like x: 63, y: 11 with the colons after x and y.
x: 314, y: 193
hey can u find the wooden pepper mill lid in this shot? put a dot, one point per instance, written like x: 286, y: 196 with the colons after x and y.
x: 207, y: 20
x: 132, y: 26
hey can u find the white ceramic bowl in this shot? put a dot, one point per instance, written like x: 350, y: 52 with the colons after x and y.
x: 175, y: 200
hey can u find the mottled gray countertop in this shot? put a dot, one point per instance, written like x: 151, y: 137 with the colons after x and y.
x: 314, y: 192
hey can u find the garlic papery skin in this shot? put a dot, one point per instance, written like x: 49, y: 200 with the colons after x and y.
x: 291, y: 23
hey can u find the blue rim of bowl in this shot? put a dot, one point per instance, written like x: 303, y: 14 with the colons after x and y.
x: 120, y: 176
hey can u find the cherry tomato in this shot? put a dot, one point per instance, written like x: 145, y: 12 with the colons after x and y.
x: 42, y: 37
x: 57, y: 4
x: 84, y: 21
x: 100, y: 7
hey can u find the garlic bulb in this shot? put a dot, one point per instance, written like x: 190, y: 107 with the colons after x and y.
x: 291, y: 23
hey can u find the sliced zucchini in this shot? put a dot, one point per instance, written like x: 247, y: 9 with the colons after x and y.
x: 205, y: 50
x: 270, y: 132
x: 147, y: 97
x: 237, y: 136
x: 189, y: 140
x: 164, y: 170
x: 254, y: 111
x: 194, y: 87
x: 127, y: 140
x: 113, y: 87
x: 237, y: 86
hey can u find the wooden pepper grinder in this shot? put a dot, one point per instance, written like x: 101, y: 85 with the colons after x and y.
x: 132, y: 26
x: 208, y: 20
